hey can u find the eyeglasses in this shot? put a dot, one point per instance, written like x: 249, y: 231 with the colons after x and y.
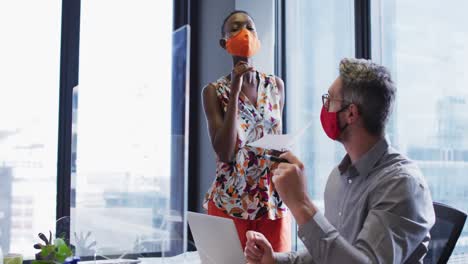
x: 326, y: 100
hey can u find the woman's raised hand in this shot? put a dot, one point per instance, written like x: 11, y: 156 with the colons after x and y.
x: 237, y: 75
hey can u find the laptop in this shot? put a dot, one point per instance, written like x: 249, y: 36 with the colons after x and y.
x: 216, y: 239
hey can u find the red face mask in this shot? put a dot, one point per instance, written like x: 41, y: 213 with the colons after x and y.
x: 243, y: 44
x: 330, y: 123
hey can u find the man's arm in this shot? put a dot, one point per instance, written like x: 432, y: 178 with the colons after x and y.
x: 399, y: 219
x: 302, y: 257
x: 258, y: 250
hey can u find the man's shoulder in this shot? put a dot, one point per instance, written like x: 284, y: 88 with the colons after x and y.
x: 401, y: 186
x: 397, y: 166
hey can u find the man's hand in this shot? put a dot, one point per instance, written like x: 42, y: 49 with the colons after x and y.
x: 257, y: 249
x: 290, y: 182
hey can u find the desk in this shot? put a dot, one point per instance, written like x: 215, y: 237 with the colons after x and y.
x: 185, y: 258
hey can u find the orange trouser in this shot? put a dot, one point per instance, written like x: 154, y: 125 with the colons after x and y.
x: 278, y: 232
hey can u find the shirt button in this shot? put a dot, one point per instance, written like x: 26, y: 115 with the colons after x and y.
x: 350, y: 181
x: 339, y: 213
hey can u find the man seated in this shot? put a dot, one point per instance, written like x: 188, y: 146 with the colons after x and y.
x: 378, y: 208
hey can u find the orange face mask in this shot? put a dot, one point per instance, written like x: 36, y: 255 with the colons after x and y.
x: 243, y: 44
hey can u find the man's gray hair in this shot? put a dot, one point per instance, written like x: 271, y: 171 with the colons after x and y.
x: 370, y: 87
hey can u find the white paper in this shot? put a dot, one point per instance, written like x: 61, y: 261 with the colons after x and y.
x: 275, y: 142
x: 280, y: 142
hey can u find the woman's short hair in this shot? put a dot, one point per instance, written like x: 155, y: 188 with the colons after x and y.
x: 230, y: 15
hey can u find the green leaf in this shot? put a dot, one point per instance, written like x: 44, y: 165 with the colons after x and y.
x: 48, y: 253
x: 62, y: 251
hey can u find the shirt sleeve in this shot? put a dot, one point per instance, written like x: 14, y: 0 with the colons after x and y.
x: 302, y: 257
x: 398, y: 222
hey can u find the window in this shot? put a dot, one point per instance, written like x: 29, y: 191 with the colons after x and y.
x: 122, y: 127
x: 29, y: 88
x: 427, y: 55
x: 318, y: 36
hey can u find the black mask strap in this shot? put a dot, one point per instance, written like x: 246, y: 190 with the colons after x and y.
x: 339, y: 111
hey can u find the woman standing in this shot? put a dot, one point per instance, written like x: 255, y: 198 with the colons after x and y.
x: 240, y: 108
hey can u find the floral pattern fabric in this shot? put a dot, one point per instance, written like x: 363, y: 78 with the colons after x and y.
x: 243, y: 188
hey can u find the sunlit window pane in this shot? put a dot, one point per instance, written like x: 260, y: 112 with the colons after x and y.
x: 29, y: 96
x: 122, y: 124
x: 318, y: 35
x: 424, y: 45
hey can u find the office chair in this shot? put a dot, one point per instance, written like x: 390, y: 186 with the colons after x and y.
x: 445, y: 233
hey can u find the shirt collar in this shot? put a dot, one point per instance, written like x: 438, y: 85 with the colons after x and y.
x: 366, y: 162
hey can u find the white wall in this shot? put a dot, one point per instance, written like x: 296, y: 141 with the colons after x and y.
x: 263, y: 13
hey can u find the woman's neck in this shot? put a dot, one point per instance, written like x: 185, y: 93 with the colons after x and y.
x: 236, y: 60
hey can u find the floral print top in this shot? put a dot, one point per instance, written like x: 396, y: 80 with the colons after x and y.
x: 243, y: 188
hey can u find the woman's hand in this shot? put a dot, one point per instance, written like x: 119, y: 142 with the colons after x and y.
x: 237, y: 75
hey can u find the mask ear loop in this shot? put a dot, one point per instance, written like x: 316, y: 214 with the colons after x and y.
x: 341, y: 110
